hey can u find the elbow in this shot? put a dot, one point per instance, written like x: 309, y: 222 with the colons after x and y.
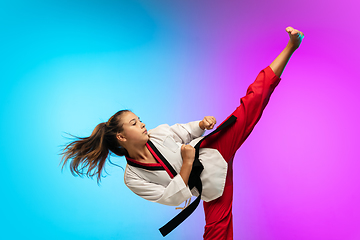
x: 171, y: 202
x: 175, y: 200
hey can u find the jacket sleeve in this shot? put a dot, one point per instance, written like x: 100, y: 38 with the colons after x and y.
x: 185, y: 133
x: 173, y: 195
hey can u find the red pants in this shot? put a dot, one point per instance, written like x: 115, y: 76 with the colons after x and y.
x: 218, y: 213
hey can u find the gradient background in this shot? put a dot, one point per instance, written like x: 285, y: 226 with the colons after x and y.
x: 68, y: 65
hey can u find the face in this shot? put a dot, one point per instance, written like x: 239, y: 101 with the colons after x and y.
x: 134, y: 131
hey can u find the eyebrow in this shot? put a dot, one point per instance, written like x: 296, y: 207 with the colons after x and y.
x: 134, y: 119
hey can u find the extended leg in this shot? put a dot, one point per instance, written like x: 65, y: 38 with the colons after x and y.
x: 218, y: 213
x: 252, y: 105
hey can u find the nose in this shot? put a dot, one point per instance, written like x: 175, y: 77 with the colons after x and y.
x: 142, y: 125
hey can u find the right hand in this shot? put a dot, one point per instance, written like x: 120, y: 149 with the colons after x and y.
x: 187, y: 153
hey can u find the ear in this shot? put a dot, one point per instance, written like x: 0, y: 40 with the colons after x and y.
x: 120, y: 137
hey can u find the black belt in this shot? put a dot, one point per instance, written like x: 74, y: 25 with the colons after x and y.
x: 194, y: 181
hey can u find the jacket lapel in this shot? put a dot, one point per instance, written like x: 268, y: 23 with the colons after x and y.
x: 162, y: 163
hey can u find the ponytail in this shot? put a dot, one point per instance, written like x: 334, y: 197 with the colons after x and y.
x: 87, y: 156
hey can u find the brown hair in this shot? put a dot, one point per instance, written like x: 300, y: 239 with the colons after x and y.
x: 88, y: 155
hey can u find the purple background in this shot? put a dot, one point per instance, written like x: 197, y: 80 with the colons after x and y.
x: 69, y: 65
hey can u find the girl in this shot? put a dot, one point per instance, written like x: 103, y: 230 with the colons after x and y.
x: 169, y: 164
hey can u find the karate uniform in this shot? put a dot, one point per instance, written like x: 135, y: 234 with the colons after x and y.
x: 159, y: 183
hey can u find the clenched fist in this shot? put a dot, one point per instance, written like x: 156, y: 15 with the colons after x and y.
x: 187, y: 153
x: 207, y: 123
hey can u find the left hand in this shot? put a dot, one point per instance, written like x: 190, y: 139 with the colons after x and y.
x: 207, y: 123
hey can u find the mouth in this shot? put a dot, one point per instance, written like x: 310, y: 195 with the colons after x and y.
x: 145, y: 132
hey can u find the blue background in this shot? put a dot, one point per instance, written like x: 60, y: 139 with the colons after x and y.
x: 68, y: 65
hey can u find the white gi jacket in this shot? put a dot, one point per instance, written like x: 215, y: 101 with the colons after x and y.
x: 153, y: 183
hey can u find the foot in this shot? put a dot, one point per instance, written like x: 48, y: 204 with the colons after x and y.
x: 296, y: 37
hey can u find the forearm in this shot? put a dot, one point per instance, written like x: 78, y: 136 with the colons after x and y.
x: 185, y: 171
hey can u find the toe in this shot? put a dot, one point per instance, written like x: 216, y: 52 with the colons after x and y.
x: 289, y: 29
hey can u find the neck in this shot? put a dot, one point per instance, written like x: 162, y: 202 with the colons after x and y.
x: 138, y: 153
